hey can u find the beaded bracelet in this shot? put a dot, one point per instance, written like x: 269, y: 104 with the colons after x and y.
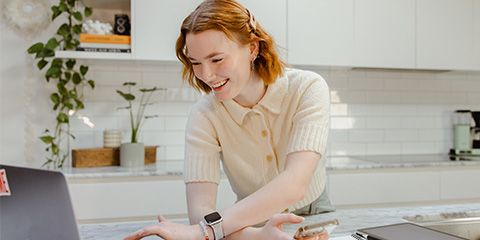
x: 203, y: 227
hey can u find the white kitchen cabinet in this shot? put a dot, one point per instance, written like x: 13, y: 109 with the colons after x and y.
x: 320, y: 32
x: 272, y: 19
x: 134, y: 198
x: 383, y: 186
x: 157, y: 26
x: 445, y: 34
x: 462, y: 183
x: 385, y: 33
x: 476, y: 34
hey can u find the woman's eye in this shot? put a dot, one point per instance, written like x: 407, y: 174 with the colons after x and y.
x: 195, y: 63
x: 217, y: 60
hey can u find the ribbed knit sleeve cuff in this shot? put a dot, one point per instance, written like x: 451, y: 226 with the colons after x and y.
x: 202, y: 168
x: 310, y: 136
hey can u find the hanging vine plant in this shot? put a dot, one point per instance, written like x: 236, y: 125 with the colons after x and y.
x: 68, y: 78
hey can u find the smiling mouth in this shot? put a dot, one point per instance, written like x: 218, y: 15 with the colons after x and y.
x: 219, y: 85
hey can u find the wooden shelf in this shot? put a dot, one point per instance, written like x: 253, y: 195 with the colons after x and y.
x: 93, y: 55
x: 108, y: 4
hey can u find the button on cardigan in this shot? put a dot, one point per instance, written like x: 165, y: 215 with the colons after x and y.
x: 252, y: 143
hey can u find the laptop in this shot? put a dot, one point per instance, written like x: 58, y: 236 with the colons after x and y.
x: 35, y: 205
x: 402, y: 231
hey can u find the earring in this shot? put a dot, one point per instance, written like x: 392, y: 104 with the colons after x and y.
x: 252, y: 63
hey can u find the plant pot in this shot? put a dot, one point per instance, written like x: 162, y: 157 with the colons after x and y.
x: 132, y: 155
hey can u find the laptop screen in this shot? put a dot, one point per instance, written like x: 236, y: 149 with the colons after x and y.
x: 38, y: 206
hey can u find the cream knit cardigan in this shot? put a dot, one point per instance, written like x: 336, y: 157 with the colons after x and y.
x: 252, y: 143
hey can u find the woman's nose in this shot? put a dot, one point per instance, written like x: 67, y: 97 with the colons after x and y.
x: 207, y: 72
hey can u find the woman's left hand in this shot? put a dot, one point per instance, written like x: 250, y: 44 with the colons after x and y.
x: 168, y: 231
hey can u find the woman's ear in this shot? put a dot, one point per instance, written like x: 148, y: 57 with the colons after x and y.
x: 254, y: 47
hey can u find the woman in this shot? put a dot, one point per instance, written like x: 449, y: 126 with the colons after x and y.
x: 267, y: 125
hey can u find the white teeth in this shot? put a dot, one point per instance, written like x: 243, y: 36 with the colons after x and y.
x: 219, y: 84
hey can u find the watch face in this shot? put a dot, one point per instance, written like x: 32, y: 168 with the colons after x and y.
x: 212, y: 217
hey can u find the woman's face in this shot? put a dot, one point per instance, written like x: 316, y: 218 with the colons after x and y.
x: 219, y: 62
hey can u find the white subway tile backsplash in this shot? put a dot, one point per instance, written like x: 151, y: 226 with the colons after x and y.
x: 401, y: 84
x: 356, y: 135
x: 83, y: 139
x: 115, y: 78
x: 163, y: 137
x: 365, y: 84
x: 384, y: 148
x: 418, y: 148
x: 175, y: 152
x: 175, y: 123
x: 346, y: 122
x: 387, y: 122
x: 434, y: 135
x: 343, y: 149
x: 336, y: 136
x: 372, y: 112
x: 401, y: 135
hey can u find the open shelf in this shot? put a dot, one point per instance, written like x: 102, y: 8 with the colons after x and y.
x: 93, y: 55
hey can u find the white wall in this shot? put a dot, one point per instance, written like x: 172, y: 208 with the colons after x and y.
x: 373, y: 111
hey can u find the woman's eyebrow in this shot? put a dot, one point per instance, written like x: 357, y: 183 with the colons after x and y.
x: 209, y: 55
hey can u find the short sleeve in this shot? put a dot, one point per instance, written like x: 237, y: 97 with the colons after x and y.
x: 202, y: 149
x: 311, y: 121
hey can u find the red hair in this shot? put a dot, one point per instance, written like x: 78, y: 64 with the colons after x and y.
x: 239, y: 25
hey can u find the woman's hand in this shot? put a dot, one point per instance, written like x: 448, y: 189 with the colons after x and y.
x: 273, y: 229
x: 168, y: 231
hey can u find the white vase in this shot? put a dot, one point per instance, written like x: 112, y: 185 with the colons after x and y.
x: 132, y: 155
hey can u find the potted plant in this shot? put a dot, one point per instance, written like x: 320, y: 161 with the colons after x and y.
x: 68, y: 78
x: 132, y: 154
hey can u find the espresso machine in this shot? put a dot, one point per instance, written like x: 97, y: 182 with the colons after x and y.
x: 466, y: 135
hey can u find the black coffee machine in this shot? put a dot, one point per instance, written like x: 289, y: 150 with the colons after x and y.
x: 466, y: 135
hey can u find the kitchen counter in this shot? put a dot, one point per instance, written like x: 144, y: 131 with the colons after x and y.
x: 350, y: 220
x: 175, y: 168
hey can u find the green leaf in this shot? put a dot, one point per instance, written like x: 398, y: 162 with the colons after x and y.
x: 41, y: 64
x: 77, y: 28
x: 53, y: 72
x: 55, y: 107
x: 57, y: 62
x: 129, y: 83
x: 62, y: 117
x: 91, y: 83
x: 55, y: 149
x: 63, y: 7
x: 73, y: 94
x: 126, y: 96
x: 52, y: 44
x: 55, y: 98
x: 88, y: 12
x: 63, y: 30
x: 78, y: 16
x: 47, y: 139
x: 76, y: 78
x: 35, y: 48
x: 149, y: 89
x: 55, y: 12
x: 83, y: 70
x: 68, y: 76
x: 80, y: 104
x: 69, y: 106
x: 61, y: 89
x: 70, y: 63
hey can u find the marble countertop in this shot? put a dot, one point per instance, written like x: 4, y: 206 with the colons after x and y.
x: 175, y: 168
x: 350, y: 220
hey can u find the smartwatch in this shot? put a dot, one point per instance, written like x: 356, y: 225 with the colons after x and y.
x: 214, y: 221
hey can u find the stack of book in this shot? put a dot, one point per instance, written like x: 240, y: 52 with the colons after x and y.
x: 104, y: 43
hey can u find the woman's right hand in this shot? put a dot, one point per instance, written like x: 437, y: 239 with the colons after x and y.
x: 273, y: 229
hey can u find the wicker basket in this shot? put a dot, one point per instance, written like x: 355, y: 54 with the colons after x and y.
x: 101, y: 157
